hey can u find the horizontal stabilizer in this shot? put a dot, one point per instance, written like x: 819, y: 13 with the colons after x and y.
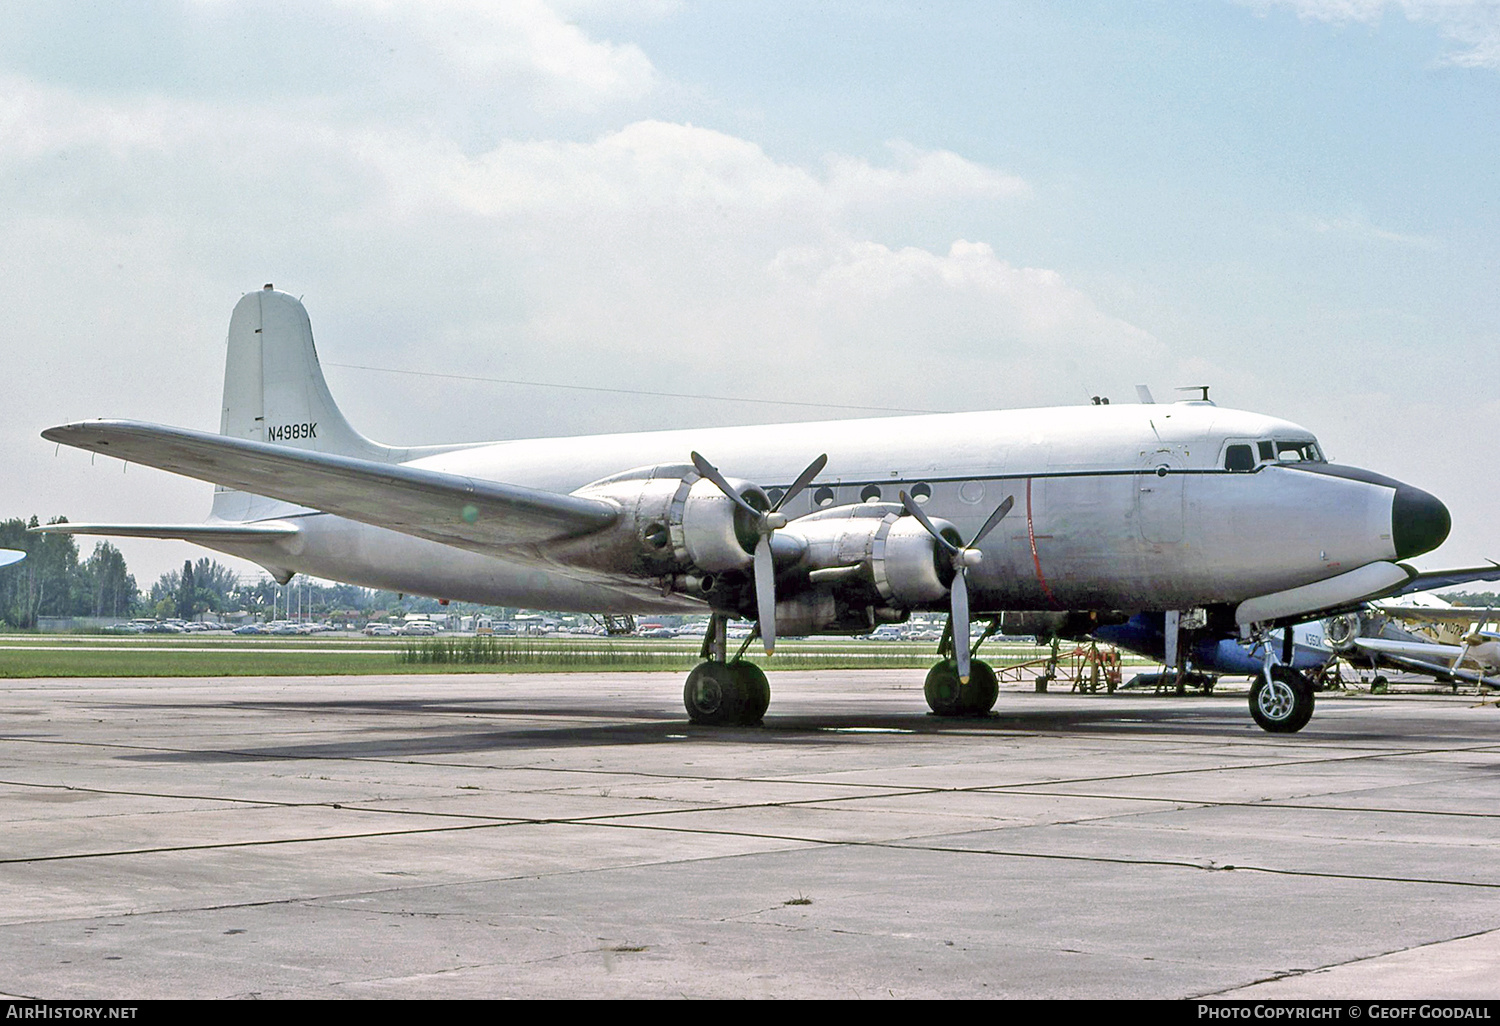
x: 447, y: 508
x: 267, y: 530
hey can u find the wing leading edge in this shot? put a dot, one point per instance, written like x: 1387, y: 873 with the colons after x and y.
x: 447, y: 508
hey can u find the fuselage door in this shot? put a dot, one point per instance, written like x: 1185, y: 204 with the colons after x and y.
x: 1159, y: 494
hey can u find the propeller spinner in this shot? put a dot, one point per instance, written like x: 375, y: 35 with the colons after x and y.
x: 767, y: 522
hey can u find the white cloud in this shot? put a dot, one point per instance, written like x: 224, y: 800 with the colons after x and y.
x: 657, y: 242
x: 519, y: 41
x: 1359, y: 227
x: 1474, y: 24
x: 654, y: 254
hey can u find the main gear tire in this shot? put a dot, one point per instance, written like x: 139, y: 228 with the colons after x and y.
x: 714, y: 695
x: 983, y: 689
x: 947, y: 697
x: 756, y: 689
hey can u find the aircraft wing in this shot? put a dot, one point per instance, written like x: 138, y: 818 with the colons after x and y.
x: 1427, y: 580
x: 1411, y: 649
x: 447, y: 508
x: 9, y: 556
x: 1434, y: 659
x: 1427, y: 614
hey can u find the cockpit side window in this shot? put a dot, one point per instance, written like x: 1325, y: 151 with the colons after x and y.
x: 1239, y: 457
x: 1267, y: 451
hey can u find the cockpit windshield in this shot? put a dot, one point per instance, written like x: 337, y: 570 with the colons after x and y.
x: 1298, y: 452
x: 1246, y: 457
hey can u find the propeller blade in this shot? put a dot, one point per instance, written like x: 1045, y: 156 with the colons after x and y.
x: 803, y: 480
x: 916, y: 511
x: 960, y: 622
x: 765, y: 592
x: 995, y: 518
x: 1463, y: 653
x: 711, y: 472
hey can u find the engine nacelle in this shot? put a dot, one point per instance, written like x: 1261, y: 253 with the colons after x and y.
x: 872, y: 547
x: 821, y: 611
x: 675, y: 522
x: 1341, y: 631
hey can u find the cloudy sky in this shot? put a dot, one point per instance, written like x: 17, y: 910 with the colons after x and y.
x: 784, y: 208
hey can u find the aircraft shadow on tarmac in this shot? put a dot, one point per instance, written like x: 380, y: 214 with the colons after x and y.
x: 399, y: 740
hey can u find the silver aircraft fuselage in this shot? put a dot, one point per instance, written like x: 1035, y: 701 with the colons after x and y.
x: 1125, y: 507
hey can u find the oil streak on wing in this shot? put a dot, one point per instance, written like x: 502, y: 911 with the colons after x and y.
x: 446, y: 508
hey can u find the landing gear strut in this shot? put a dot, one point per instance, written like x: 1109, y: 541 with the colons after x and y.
x: 722, y: 692
x: 1281, y: 699
x: 946, y: 696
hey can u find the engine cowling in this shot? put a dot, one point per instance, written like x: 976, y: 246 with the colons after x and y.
x: 858, y: 565
x: 1341, y: 631
x: 871, y: 545
x: 675, y: 522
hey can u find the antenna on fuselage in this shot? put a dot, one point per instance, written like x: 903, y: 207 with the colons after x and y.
x: 1144, y: 394
x: 1195, y: 388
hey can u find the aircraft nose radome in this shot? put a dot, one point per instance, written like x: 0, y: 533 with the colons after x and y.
x: 1419, y: 522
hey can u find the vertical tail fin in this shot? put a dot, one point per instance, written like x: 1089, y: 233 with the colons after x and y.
x: 273, y: 385
x: 274, y: 392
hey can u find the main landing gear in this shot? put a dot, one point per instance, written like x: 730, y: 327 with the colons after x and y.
x: 946, y: 695
x: 723, y: 692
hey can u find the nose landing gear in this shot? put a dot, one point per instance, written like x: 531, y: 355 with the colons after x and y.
x: 1281, y: 699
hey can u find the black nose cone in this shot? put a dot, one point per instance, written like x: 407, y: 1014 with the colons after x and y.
x: 1419, y: 522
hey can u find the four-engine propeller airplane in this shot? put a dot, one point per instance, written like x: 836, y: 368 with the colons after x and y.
x: 1141, y: 508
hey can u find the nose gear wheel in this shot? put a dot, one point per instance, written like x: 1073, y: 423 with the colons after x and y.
x: 1284, y: 703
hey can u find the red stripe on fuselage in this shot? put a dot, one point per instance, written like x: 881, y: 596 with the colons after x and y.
x: 1036, y: 560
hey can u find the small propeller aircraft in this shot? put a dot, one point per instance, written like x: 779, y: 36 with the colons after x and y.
x: 1375, y: 639
x: 1165, y: 508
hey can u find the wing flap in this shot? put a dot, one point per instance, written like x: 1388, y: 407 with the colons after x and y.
x: 447, y: 508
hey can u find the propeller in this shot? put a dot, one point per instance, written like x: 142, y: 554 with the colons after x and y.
x: 963, y: 557
x: 767, y: 522
x: 1472, y: 638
